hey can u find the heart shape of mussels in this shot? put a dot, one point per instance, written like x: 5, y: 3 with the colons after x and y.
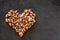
x: 20, y: 22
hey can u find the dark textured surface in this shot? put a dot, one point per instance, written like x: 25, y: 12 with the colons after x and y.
x: 47, y: 26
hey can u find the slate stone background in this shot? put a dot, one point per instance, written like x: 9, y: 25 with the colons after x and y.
x: 47, y: 25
